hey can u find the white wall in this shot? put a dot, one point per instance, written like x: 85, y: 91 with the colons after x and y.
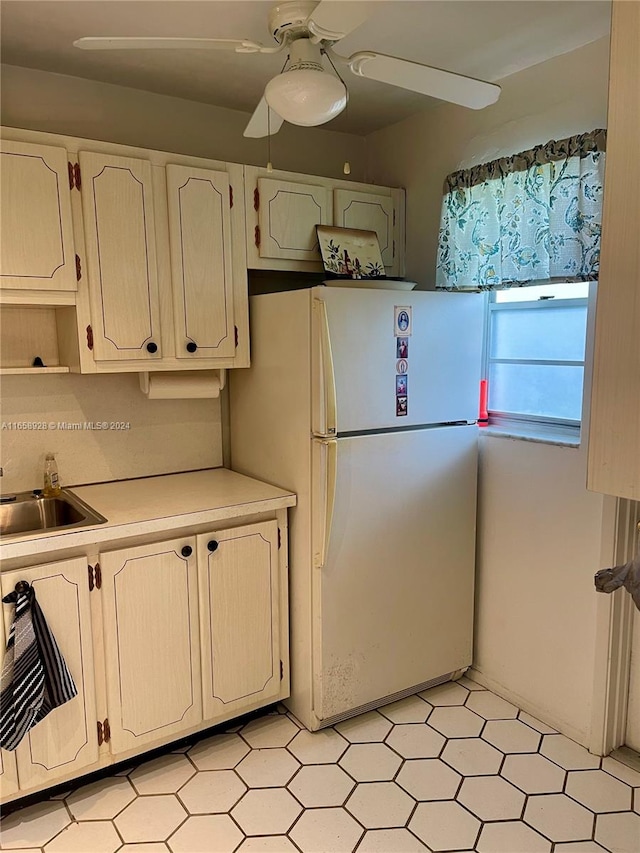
x: 56, y: 103
x: 555, y: 99
x: 165, y: 436
x: 539, y: 531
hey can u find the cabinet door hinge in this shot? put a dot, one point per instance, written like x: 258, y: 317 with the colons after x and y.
x: 279, y: 538
x: 235, y: 330
x: 100, y: 733
x: 394, y: 248
x: 230, y: 196
x: 97, y: 573
x: 91, y: 583
x: 256, y: 199
x: 257, y: 236
x: 106, y: 729
x: 394, y: 218
x: 281, y: 670
x: 78, y: 268
x: 74, y: 176
x: 89, y: 337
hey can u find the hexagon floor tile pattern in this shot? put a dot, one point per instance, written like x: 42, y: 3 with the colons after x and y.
x: 453, y: 768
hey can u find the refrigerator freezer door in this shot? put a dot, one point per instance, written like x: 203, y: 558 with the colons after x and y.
x: 393, y: 603
x: 441, y: 363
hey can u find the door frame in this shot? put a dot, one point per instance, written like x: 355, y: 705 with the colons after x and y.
x: 614, y: 635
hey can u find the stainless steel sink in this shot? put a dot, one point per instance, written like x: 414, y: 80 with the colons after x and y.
x: 30, y: 512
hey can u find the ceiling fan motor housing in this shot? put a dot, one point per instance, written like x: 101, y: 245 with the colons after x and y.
x: 290, y: 19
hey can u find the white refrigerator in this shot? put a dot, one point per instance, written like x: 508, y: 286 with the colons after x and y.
x: 364, y: 402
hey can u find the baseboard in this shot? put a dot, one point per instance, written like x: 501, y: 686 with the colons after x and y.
x: 531, y: 708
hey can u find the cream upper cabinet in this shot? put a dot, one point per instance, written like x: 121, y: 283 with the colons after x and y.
x: 370, y: 212
x: 118, y: 212
x: 152, y: 652
x: 201, y: 262
x: 614, y: 435
x: 66, y: 740
x: 288, y: 214
x: 37, y: 249
x: 283, y: 209
x: 239, y: 582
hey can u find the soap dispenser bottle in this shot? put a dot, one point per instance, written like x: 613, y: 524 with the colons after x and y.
x: 51, y: 480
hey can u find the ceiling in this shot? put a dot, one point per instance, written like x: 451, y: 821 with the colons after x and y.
x: 488, y: 39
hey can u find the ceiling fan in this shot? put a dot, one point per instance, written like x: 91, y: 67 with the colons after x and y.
x: 305, y: 92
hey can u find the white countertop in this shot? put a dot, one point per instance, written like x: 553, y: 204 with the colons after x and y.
x: 156, y: 504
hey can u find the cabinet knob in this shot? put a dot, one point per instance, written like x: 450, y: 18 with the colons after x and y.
x: 187, y: 551
x: 151, y: 347
x: 212, y: 545
x: 192, y: 346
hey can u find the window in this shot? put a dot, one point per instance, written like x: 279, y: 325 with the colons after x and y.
x: 535, y: 351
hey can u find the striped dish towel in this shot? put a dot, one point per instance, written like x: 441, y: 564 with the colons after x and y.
x: 35, y: 678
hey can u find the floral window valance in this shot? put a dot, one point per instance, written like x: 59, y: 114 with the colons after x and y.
x: 531, y: 218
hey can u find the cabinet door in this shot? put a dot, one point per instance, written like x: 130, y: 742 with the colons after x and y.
x: 117, y: 204
x: 239, y: 592
x: 200, y: 237
x: 288, y: 214
x: 367, y: 212
x: 66, y: 741
x: 614, y: 448
x: 8, y: 766
x: 37, y: 250
x: 150, y: 611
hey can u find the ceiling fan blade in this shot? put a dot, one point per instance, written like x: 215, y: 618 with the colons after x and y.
x: 445, y: 85
x: 335, y: 19
x: 160, y: 43
x: 263, y: 122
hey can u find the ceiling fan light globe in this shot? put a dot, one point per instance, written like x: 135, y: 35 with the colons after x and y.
x: 306, y: 97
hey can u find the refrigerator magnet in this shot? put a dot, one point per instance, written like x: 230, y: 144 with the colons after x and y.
x: 401, y: 386
x: 402, y: 324
x: 401, y: 407
x: 402, y: 348
x: 402, y: 365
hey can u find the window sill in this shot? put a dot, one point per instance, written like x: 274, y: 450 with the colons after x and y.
x: 542, y: 435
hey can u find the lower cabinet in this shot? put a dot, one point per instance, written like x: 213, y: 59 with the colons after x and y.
x: 151, y: 641
x: 187, y: 632
x: 66, y: 740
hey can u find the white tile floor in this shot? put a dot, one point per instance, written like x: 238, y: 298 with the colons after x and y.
x: 453, y: 769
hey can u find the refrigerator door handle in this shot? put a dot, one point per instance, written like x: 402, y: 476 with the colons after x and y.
x: 326, y: 383
x: 330, y: 470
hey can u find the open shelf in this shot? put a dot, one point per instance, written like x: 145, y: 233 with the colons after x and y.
x: 9, y: 371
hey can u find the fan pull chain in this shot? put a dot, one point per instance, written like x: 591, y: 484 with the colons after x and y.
x: 269, y: 163
x: 347, y: 165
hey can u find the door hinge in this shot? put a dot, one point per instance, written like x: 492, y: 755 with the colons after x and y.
x: 279, y: 538
x: 230, y: 196
x: 394, y: 218
x: 75, y: 179
x: 78, y: 268
x: 257, y: 236
x: 256, y: 199
x: 97, y: 574
x: 89, y: 337
x: 394, y: 248
x: 91, y: 583
x: 281, y: 670
x: 104, y: 732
